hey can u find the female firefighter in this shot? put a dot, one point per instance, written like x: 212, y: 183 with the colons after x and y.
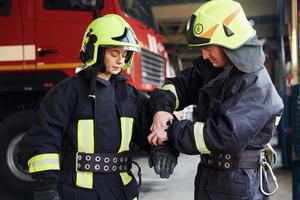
x: 238, y: 107
x: 79, y: 147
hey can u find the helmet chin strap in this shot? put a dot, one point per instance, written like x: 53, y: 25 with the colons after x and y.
x: 99, y: 66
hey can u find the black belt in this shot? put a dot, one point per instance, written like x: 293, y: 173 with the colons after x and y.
x: 245, y: 160
x: 97, y: 162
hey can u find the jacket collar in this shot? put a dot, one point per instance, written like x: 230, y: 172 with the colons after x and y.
x: 89, y: 75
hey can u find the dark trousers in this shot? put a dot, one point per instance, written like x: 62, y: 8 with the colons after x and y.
x: 240, y: 184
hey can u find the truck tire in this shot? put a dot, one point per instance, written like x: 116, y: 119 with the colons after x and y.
x: 13, y: 176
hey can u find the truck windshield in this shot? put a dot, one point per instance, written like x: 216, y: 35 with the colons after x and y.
x: 70, y: 4
x: 140, y: 10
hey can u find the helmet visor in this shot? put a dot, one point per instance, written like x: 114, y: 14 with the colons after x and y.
x: 128, y: 37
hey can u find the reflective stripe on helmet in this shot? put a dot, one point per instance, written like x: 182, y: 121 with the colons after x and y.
x: 172, y: 88
x: 199, y: 138
x: 85, y: 142
x: 44, y: 162
x: 126, y: 131
x: 233, y: 15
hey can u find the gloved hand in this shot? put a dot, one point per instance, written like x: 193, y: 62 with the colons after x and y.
x: 164, y: 160
x: 46, y: 191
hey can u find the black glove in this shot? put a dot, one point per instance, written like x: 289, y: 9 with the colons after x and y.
x: 46, y: 191
x: 164, y: 160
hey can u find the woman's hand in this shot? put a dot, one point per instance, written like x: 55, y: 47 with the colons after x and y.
x: 158, y: 136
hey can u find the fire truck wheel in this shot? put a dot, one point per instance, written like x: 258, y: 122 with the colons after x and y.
x: 13, y: 176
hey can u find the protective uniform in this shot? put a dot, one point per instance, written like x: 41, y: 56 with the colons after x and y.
x: 237, y: 107
x: 81, y: 140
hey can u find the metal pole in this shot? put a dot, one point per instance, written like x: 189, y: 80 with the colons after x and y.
x: 294, y: 42
x: 296, y: 120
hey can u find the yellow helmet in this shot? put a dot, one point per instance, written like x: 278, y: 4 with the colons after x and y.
x: 219, y: 22
x: 110, y: 30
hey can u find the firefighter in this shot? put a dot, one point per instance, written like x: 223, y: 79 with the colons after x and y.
x: 237, y: 106
x: 79, y: 147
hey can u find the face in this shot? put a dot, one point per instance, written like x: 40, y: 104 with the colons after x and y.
x: 114, y: 60
x: 216, y: 55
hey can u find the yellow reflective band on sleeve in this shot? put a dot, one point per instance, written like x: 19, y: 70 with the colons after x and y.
x: 171, y: 88
x: 44, y: 162
x: 199, y: 138
x: 277, y: 120
x: 85, y: 143
x: 126, y: 131
x: 135, y: 198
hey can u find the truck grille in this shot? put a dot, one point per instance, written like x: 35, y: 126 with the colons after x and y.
x: 152, y: 68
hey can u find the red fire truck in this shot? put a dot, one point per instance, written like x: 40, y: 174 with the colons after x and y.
x: 39, y: 46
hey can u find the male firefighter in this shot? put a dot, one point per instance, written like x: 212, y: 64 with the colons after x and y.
x: 237, y: 109
x: 79, y: 147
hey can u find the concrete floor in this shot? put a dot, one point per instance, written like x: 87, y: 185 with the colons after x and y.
x: 285, y: 185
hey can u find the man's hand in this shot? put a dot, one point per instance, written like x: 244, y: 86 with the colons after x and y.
x: 161, y: 119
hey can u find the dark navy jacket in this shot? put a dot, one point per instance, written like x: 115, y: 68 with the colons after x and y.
x: 81, y: 97
x: 236, y: 109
